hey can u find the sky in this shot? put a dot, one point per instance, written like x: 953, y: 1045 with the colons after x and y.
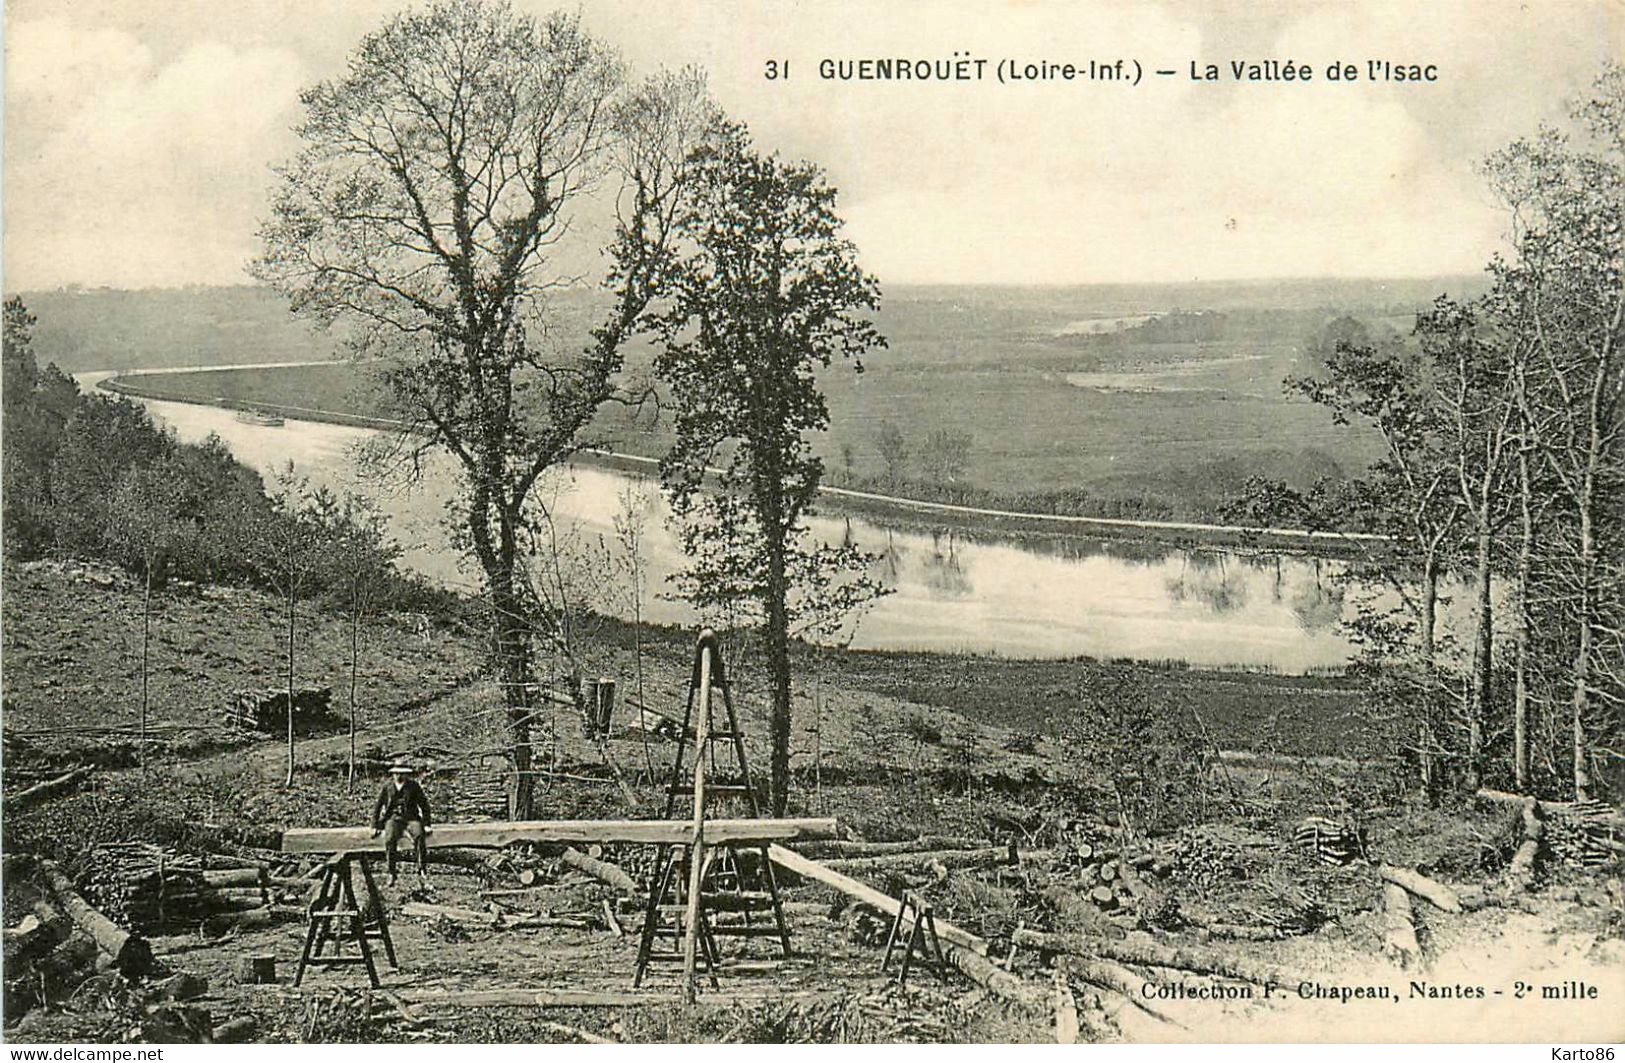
x: 140, y: 134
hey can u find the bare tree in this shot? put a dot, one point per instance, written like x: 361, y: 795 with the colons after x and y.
x: 145, y: 526
x: 286, y: 544
x: 438, y: 178
x: 360, y: 560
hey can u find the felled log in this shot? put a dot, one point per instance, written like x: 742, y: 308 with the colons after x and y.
x: 421, y: 910
x: 57, y: 787
x: 131, y: 955
x: 499, y: 834
x: 575, y: 1033
x: 838, y: 849
x: 1107, y: 976
x: 1066, y: 1010
x: 239, y: 877
x: 601, y: 870
x: 1399, y: 926
x: 42, y: 930
x: 233, y: 1031
x: 1144, y: 952
x: 1613, y: 819
x: 1001, y: 983
x: 1521, y: 872
x: 812, y: 869
x: 1434, y: 892
x: 948, y: 858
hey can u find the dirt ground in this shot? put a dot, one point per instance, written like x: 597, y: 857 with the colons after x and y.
x: 891, y: 758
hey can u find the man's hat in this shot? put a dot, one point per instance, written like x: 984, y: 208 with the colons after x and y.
x: 401, y: 767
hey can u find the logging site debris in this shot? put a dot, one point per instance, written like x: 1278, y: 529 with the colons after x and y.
x: 199, y: 897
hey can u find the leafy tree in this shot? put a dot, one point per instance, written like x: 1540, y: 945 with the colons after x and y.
x: 438, y: 176
x: 38, y: 404
x: 764, y: 292
x: 945, y: 456
x: 104, y: 437
x: 894, y: 453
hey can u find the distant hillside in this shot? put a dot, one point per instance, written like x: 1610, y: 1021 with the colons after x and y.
x: 99, y: 328
x: 88, y: 329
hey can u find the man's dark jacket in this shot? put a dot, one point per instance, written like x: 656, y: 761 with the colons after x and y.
x: 408, y: 802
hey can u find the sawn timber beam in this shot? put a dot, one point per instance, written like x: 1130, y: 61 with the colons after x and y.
x: 496, y: 834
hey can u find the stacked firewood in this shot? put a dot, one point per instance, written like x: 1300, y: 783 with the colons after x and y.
x: 479, y: 795
x: 150, y: 889
x: 1103, y: 877
x: 267, y: 710
x: 1582, y: 834
x: 1332, y: 842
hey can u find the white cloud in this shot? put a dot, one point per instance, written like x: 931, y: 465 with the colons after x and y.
x: 129, y: 171
x: 138, y: 153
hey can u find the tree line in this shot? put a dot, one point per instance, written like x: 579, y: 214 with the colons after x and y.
x: 90, y: 476
x: 1502, y: 489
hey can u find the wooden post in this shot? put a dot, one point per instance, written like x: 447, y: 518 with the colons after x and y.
x: 696, y: 851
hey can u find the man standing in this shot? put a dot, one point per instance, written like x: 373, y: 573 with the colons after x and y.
x: 402, y: 807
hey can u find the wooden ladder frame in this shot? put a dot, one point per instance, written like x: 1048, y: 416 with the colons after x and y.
x: 706, y: 865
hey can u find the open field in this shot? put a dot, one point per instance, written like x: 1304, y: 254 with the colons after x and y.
x: 1077, y: 390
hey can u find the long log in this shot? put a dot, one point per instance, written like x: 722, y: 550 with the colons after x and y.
x: 44, y: 791
x: 948, y: 858
x: 794, y: 861
x: 1398, y: 926
x: 242, y: 876
x: 130, y: 953
x: 838, y: 849
x: 421, y: 910
x: 602, y: 870
x: 495, y: 835
x: 1148, y: 953
x: 1114, y: 979
x: 1434, y: 892
x: 594, y: 998
x: 1066, y: 1010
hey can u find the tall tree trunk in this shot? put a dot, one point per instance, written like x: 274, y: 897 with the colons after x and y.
x: 146, y: 646
x: 1427, y: 740
x: 1520, y: 673
x: 1483, y: 649
x: 293, y: 602
x: 778, y: 670
x: 1582, y: 654
x: 355, y: 667
x: 513, y: 670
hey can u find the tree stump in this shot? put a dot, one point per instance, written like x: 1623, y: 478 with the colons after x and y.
x: 256, y: 969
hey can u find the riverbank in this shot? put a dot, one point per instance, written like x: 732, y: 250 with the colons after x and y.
x: 899, y: 512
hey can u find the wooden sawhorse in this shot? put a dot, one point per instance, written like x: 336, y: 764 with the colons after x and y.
x: 335, y: 901
x: 922, y: 938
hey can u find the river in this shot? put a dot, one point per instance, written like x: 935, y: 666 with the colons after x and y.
x: 950, y: 592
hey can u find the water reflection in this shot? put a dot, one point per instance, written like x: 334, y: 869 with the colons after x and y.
x: 951, y: 590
